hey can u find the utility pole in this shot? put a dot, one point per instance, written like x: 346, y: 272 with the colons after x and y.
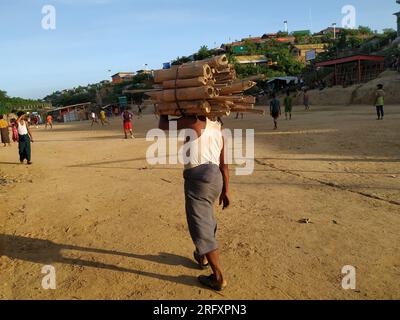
x: 334, y: 30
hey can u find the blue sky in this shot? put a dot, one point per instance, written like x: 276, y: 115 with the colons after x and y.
x: 94, y: 36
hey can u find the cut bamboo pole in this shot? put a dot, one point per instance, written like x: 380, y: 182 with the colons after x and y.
x: 186, y: 83
x: 215, y: 114
x: 237, y: 99
x: 214, y: 62
x: 224, y: 77
x: 237, y: 87
x: 202, y: 88
x: 184, y: 94
x: 181, y: 112
x: 178, y: 72
x: 184, y: 105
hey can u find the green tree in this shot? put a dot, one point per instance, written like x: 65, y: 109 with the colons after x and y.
x: 251, y: 47
x: 363, y: 30
x: 180, y: 60
x: 203, y: 53
x: 3, y: 95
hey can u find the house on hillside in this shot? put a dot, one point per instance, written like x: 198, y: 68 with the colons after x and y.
x: 238, y: 47
x: 139, y: 72
x: 274, y: 36
x: 288, y: 40
x: 34, y: 107
x: 329, y: 30
x: 122, y: 77
x: 256, y: 40
x: 300, y: 50
x: 268, y: 36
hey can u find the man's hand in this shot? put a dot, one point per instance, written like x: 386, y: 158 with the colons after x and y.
x: 224, y: 200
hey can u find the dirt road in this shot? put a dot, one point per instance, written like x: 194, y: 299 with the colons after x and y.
x: 114, y: 227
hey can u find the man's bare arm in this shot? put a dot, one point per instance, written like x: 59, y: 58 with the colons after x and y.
x: 225, y: 196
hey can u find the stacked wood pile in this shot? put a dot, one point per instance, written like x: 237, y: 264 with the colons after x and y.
x: 202, y: 88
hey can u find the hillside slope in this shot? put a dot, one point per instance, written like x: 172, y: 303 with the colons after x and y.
x: 357, y: 94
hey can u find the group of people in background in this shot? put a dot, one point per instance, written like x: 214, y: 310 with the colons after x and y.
x: 21, y: 134
x: 19, y: 124
x: 275, y: 106
x: 103, y: 116
x: 276, y: 112
x: 127, y: 118
x: 19, y: 127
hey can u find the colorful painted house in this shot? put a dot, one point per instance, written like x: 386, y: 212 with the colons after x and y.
x: 122, y: 77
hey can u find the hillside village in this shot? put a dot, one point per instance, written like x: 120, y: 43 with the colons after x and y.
x: 266, y: 57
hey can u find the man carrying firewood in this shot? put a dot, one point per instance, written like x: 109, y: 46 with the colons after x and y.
x: 206, y: 178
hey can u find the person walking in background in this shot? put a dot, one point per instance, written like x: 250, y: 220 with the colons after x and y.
x: 275, y: 110
x: 140, y: 112
x: 93, y: 116
x: 14, y: 130
x: 49, y: 121
x: 4, y: 131
x: 36, y: 121
x: 288, y: 105
x: 25, y: 138
x: 380, y: 101
x: 127, y: 117
x: 103, y: 118
x: 239, y: 113
x: 109, y: 114
x: 306, y: 100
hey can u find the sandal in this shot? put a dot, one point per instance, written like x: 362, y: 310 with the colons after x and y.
x: 200, y: 261
x: 212, y: 283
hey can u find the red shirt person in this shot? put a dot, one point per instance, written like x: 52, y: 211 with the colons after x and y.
x: 127, y: 121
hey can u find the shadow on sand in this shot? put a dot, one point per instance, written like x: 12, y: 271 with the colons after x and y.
x: 46, y: 252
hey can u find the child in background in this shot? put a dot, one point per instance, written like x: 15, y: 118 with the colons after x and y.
x: 380, y: 101
x: 14, y: 130
x: 306, y: 100
x: 49, y: 121
x: 288, y: 105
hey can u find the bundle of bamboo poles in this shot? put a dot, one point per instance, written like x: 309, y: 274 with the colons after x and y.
x: 202, y: 88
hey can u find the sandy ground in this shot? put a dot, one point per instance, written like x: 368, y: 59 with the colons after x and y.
x: 114, y: 227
